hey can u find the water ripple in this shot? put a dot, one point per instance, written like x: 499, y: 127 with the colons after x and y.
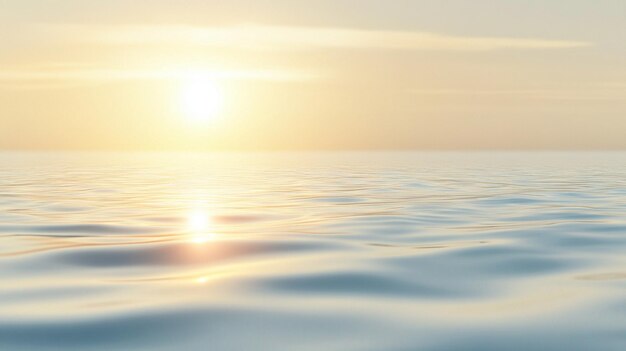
x: 336, y: 251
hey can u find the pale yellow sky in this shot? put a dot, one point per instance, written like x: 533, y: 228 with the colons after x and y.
x: 341, y: 74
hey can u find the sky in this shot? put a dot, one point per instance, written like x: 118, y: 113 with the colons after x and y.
x: 316, y: 75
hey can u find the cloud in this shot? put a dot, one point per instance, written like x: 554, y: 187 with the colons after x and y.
x: 67, y: 77
x: 169, y: 38
x: 130, y: 74
x: 608, y: 92
x: 265, y: 37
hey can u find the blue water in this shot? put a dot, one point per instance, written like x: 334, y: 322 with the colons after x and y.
x: 313, y: 251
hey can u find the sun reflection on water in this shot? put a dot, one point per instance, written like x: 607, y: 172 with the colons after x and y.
x: 200, y: 226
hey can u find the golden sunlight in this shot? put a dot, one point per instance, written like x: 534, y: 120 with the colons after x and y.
x: 201, y: 280
x: 201, y: 98
x: 200, y: 226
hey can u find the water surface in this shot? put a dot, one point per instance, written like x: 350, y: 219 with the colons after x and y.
x: 313, y: 251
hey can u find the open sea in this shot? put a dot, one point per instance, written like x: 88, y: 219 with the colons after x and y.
x: 344, y: 251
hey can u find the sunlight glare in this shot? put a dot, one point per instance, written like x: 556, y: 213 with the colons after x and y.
x: 200, y: 97
x: 199, y: 226
x: 202, y: 280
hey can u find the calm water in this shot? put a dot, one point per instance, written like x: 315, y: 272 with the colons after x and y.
x: 343, y: 251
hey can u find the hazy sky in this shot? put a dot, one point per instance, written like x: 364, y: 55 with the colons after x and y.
x: 318, y: 74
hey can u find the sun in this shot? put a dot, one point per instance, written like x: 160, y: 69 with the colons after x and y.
x: 201, y: 98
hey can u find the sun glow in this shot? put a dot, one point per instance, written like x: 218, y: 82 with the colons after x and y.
x: 201, y: 98
x: 201, y: 280
x: 200, y: 227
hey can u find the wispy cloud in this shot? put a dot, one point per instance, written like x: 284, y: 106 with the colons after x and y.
x: 245, y: 37
x: 305, y: 38
x: 609, y: 92
x: 130, y: 74
x: 37, y: 78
